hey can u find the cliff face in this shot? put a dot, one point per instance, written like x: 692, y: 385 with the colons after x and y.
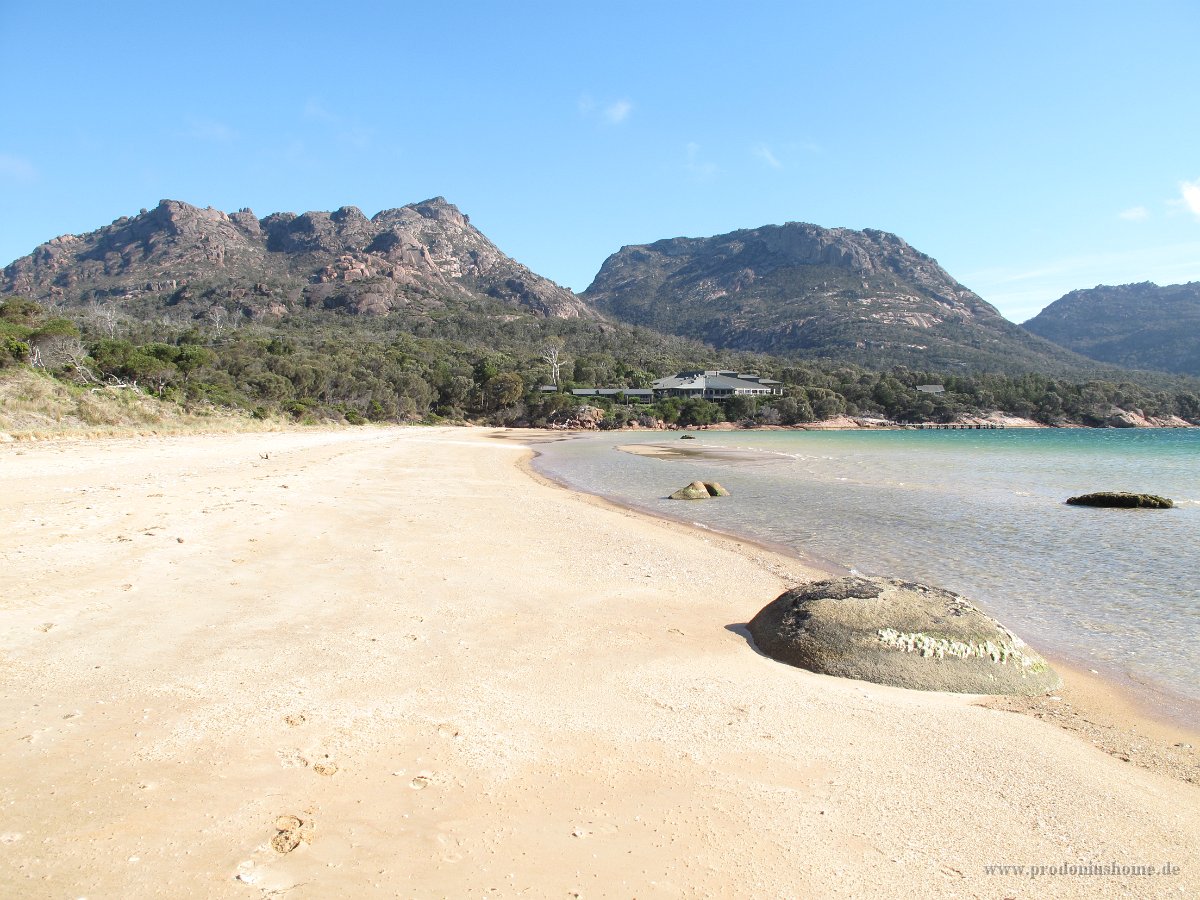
x: 1140, y: 326
x: 423, y: 253
x: 798, y: 288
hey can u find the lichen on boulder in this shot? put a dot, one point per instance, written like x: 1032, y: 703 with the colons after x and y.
x: 1122, y: 500
x: 900, y: 633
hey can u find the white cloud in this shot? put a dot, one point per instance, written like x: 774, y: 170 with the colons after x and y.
x: 1135, y: 214
x: 208, y: 130
x: 1020, y: 293
x: 618, y: 112
x: 611, y: 112
x: 346, y: 130
x: 763, y: 152
x: 315, y: 111
x: 698, y: 166
x: 357, y: 137
x: 15, y: 168
x: 1191, y: 195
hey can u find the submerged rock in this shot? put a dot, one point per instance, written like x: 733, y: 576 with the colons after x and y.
x: 1122, y: 500
x: 900, y: 633
x: 700, y: 490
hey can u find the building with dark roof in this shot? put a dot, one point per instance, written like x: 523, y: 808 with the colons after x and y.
x: 706, y: 384
x: 715, y: 384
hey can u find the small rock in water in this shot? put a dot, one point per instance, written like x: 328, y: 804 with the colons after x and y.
x: 700, y: 490
x: 1122, y: 500
x: 694, y: 491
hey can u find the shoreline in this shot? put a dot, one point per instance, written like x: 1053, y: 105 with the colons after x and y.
x: 390, y: 662
x: 813, y: 567
x: 1113, y: 718
x: 1102, y: 706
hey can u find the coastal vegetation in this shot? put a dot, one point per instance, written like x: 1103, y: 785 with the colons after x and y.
x: 414, y: 315
x: 482, y: 362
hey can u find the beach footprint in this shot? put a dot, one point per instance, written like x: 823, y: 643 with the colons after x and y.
x: 326, y: 766
x: 290, y: 833
x: 292, y: 759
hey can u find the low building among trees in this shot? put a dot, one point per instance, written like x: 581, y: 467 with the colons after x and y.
x: 715, y: 384
x: 698, y: 384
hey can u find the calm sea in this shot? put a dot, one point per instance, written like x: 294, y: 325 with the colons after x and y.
x: 979, y: 512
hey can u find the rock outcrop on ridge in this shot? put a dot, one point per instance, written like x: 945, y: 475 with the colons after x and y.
x: 865, y: 296
x: 899, y: 633
x: 177, y: 254
x: 1138, y: 326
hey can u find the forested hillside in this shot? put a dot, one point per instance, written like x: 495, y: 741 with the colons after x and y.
x: 414, y: 315
x: 797, y: 289
x: 1138, y: 326
x: 490, y: 366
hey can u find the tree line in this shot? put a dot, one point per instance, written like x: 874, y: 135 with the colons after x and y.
x: 487, y: 364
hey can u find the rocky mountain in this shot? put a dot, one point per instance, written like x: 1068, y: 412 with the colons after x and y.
x: 1140, y: 326
x: 425, y: 254
x: 863, y: 296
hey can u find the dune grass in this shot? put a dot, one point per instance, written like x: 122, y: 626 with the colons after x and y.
x: 36, y: 406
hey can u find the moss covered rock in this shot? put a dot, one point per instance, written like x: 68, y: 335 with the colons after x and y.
x: 1122, y: 500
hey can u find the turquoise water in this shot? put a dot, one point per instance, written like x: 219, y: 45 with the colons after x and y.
x: 979, y: 512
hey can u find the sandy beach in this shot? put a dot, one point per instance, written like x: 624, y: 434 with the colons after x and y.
x: 392, y: 663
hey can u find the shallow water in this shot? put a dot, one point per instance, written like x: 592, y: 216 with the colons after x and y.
x: 979, y: 512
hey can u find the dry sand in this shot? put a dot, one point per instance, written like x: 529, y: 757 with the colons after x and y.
x: 389, y: 663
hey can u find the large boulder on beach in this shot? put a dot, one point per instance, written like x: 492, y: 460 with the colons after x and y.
x: 1122, y: 500
x: 899, y: 633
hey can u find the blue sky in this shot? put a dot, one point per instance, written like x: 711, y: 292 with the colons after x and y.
x: 1031, y: 148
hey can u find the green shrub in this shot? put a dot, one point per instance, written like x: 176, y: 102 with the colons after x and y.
x: 695, y: 411
x: 12, y: 351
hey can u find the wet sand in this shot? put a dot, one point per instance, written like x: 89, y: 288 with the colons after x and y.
x: 387, y: 662
x: 688, y: 451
